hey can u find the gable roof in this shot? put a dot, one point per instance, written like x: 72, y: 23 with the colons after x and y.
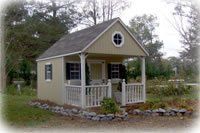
x: 79, y: 41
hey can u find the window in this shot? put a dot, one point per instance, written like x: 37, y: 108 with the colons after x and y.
x: 115, y: 71
x: 48, y: 72
x: 118, y: 39
x: 74, y: 70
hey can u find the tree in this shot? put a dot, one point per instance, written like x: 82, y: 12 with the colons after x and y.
x: 187, y: 23
x: 144, y: 29
x: 95, y: 11
x: 25, y: 71
x: 32, y: 26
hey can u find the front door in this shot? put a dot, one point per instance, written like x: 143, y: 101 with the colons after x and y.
x: 96, y: 72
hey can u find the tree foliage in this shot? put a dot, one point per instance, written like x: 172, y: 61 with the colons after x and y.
x: 144, y: 29
x: 95, y: 11
x: 187, y: 23
x: 33, y: 26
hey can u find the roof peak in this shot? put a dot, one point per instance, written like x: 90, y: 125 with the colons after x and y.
x: 117, y: 18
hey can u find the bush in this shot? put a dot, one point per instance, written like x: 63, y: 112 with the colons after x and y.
x: 108, y: 105
x: 173, y: 90
x: 169, y: 89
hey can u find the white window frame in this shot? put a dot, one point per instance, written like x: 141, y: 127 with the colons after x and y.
x: 115, y: 63
x: 122, y: 43
x: 48, y: 79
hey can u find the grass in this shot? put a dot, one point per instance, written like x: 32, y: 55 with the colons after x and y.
x: 16, y: 110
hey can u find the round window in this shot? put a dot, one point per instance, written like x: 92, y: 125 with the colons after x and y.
x: 118, y: 39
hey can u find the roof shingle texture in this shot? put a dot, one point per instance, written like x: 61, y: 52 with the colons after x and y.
x: 76, y: 41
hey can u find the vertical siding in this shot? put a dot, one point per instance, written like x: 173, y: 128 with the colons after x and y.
x: 104, y: 44
x: 50, y: 90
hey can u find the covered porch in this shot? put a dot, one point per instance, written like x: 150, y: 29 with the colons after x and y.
x: 89, y: 77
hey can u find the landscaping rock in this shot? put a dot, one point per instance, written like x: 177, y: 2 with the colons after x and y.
x: 148, y: 111
x: 85, y: 113
x: 104, y: 118
x: 75, y: 111
x: 110, y: 115
x: 101, y: 116
x: 92, y: 114
x: 136, y: 111
x: 166, y: 114
x: 160, y: 110
x: 155, y: 111
x: 175, y: 110
x: 182, y: 111
x: 172, y: 113
x: 57, y: 108
x: 88, y: 117
x: 96, y: 118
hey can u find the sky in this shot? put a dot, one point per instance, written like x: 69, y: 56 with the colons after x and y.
x: 163, y: 11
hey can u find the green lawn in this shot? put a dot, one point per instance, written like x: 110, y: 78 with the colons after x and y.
x: 16, y: 111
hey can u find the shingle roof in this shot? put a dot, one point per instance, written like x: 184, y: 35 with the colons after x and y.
x: 76, y: 41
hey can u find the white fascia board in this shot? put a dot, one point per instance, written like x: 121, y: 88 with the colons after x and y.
x: 58, y: 56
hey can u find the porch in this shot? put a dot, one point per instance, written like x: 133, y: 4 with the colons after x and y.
x: 78, y: 93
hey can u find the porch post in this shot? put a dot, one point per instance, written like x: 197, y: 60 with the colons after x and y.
x: 143, y: 77
x: 109, y: 89
x: 123, y: 93
x: 82, y: 58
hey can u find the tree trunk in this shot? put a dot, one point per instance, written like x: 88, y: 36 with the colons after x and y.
x: 2, y: 66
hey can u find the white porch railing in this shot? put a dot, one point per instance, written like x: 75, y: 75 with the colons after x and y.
x: 73, y: 95
x: 94, y: 94
x: 132, y: 93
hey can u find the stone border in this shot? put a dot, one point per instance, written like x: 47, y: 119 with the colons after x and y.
x: 162, y: 112
x: 79, y: 112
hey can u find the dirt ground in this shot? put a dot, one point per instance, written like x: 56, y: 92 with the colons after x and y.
x: 134, y: 123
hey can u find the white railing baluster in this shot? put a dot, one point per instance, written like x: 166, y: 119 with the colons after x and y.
x: 94, y: 94
x: 134, y: 93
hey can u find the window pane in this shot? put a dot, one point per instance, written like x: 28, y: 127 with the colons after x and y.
x: 74, y: 71
x: 117, y: 38
x: 48, y: 71
x: 115, y: 70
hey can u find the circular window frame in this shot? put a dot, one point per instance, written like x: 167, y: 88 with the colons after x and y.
x: 122, y: 43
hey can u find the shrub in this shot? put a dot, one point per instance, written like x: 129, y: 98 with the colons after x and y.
x: 173, y: 90
x: 169, y: 89
x: 26, y: 90
x: 108, y: 105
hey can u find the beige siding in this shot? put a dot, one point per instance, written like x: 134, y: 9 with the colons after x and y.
x: 104, y: 44
x: 50, y: 90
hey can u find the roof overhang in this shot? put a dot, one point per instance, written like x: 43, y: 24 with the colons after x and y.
x: 78, y: 52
